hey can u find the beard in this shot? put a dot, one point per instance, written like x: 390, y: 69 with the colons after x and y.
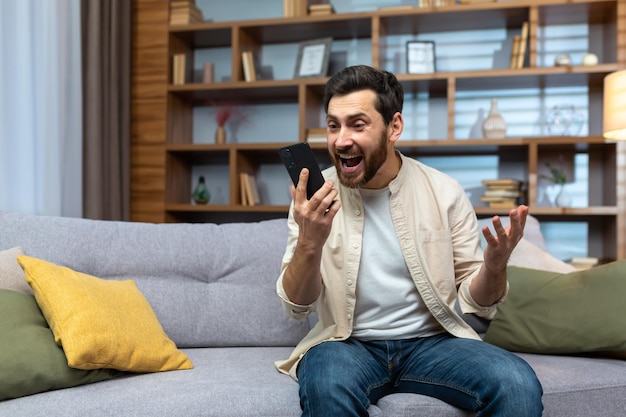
x: 371, y: 163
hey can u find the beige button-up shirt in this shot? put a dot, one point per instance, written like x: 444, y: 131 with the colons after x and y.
x: 439, y: 238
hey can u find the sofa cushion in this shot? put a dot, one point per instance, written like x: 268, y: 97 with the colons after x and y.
x: 576, y: 312
x: 11, y: 275
x: 528, y: 255
x: 100, y: 323
x: 30, y: 360
x: 208, y: 284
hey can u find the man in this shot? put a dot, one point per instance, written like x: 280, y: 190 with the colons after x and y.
x: 382, y: 252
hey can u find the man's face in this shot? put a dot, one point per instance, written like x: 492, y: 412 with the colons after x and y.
x: 358, y: 141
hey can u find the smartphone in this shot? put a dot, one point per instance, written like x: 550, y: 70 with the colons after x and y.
x: 298, y: 156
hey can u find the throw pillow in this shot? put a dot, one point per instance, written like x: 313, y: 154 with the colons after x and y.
x: 527, y: 255
x: 30, y: 360
x: 11, y: 275
x: 548, y: 312
x: 101, y: 323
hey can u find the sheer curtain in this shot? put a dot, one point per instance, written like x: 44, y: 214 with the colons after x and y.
x: 40, y: 107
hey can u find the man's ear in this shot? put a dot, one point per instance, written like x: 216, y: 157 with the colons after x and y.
x: 396, y: 126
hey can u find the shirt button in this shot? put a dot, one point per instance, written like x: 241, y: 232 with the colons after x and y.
x: 349, y: 316
x: 357, y: 212
x: 349, y: 282
x: 355, y: 245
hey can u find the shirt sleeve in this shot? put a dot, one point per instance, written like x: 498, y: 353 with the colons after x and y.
x: 469, y: 305
x: 295, y: 311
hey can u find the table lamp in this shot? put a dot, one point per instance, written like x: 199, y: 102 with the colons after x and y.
x: 614, y: 126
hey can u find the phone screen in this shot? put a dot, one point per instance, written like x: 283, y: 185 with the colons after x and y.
x: 298, y: 156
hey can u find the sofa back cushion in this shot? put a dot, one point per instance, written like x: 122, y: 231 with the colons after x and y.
x: 209, y: 285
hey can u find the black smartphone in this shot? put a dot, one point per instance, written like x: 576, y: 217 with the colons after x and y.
x: 298, y: 156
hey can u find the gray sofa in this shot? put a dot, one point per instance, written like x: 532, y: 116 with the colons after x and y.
x: 212, y: 288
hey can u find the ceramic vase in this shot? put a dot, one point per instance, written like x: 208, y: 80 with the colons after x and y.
x: 220, y: 135
x: 494, y: 126
x: 476, y: 132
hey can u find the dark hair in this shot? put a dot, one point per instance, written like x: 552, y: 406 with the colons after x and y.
x: 389, y: 91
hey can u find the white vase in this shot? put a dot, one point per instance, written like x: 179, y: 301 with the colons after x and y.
x: 476, y: 132
x: 563, y: 199
x: 494, y: 126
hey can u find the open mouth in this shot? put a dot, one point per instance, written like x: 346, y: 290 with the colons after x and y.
x: 350, y: 163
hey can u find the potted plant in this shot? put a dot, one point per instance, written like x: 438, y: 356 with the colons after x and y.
x: 223, y: 113
x: 557, y: 177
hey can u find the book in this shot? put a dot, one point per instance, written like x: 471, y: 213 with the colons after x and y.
x: 514, y: 51
x: 243, y: 189
x: 180, y: 69
x: 503, y: 204
x: 253, y: 190
x: 583, y: 262
x: 288, y: 8
x: 250, y: 66
x: 502, y: 181
x: 323, y: 8
x: 501, y: 193
x: 521, y: 55
x: 497, y: 199
x: 248, y: 190
x: 295, y: 8
x: 395, y: 8
x: 316, y: 135
x: 249, y: 72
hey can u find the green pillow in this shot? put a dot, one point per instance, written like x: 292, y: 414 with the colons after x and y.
x: 573, y: 313
x: 30, y: 360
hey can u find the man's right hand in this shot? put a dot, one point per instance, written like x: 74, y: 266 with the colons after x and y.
x: 302, y: 280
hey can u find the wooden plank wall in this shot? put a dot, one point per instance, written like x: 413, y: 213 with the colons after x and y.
x: 149, y: 110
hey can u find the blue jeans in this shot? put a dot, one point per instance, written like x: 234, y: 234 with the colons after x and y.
x: 342, y: 378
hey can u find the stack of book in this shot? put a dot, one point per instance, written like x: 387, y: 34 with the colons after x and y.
x: 321, y: 9
x: 248, y: 190
x: 583, y: 262
x: 518, y: 51
x: 502, y: 193
x: 183, y: 12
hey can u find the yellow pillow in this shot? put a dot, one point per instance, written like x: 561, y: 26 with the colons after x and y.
x: 101, y: 323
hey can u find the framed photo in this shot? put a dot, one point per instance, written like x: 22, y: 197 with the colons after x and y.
x: 313, y: 58
x: 420, y: 57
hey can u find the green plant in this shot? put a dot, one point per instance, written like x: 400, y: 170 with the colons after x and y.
x: 557, y: 175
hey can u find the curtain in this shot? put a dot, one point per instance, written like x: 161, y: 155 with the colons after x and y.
x: 40, y: 107
x: 106, y: 66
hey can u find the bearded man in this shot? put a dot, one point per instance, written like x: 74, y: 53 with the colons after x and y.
x: 382, y: 252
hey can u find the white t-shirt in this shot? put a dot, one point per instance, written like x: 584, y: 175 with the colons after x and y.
x: 388, y: 305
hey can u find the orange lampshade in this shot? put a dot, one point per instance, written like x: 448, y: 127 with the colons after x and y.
x: 615, y: 106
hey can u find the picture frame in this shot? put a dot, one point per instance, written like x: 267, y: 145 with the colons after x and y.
x: 420, y: 57
x: 313, y: 58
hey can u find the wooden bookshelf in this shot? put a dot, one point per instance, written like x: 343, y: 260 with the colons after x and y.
x: 163, y: 152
